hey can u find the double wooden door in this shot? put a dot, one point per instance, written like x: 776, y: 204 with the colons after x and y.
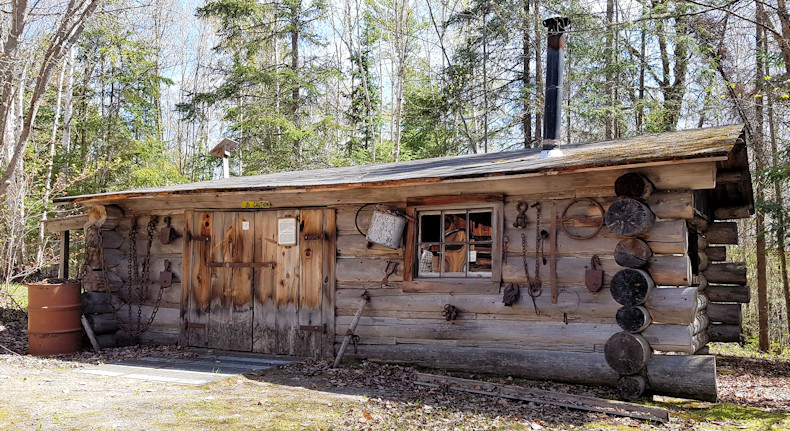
x: 246, y: 292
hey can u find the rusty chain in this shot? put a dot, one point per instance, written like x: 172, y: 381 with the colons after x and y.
x: 136, y: 281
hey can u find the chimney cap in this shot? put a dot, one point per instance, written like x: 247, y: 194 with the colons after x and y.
x: 556, y: 24
x: 224, y: 146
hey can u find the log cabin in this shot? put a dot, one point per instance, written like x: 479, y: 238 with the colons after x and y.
x: 598, y: 263
x: 605, y: 265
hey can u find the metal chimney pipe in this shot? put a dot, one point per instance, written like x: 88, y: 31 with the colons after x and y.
x: 552, y: 112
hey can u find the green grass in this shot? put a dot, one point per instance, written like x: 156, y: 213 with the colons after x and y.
x: 750, y: 350
x: 17, y: 292
x: 731, y: 416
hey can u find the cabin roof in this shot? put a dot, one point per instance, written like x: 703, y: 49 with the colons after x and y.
x: 714, y: 142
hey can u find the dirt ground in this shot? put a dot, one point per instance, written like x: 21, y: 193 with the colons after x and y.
x: 50, y: 393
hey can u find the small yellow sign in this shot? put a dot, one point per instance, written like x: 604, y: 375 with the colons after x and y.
x: 256, y: 204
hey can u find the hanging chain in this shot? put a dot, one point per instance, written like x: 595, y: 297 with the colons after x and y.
x: 535, y: 283
x: 133, y: 280
x: 137, y: 283
x: 146, y: 281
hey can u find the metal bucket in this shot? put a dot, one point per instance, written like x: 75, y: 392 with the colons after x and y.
x: 386, y: 228
x: 53, y: 318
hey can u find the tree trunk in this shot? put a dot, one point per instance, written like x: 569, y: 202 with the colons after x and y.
x: 778, y: 198
x: 762, y: 283
x: 50, y: 165
x: 69, y: 30
x: 295, y: 91
x: 525, y: 76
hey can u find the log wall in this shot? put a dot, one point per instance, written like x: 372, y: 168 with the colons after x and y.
x: 113, y: 307
x: 403, y: 321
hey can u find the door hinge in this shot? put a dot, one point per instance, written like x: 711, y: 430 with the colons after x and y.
x: 313, y: 237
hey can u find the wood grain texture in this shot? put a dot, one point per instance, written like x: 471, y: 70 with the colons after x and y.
x: 691, y: 376
x: 666, y: 270
x: 311, y: 281
x: 264, y: 326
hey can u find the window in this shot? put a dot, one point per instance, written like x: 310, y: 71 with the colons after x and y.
x: 454, y: 244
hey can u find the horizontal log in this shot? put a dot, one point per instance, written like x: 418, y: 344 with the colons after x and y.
x: 171, y: 296
x: 96, y: 302
x: 666, y: 305
x: 346, y: 215
x: 165, y: 317
x: 95, y: 281
x: 730, y: 177
x: 673, y: 305
x: 729, y: 314
x: 726, y: 273
x: 112, y: 239
x: 629, y: 217
x: 627, y: 353
x: 701, y: 282
x: 666, y: 206
x: 76, y: 222
x: 666, y: 237
x: 366, y: 270
x: 692, y: 376
x: 633, y: 318
x: 156, y: 265
x: 114, y: 257
x: 391, y: 341
x: 728, y: 293
x: 722, y: 233
x: 665, y: 270
x: 716, y: 254
x: 633, y: 185
x: 685, y: 376
x: 724, y: 333
x: 486, y: 330
x: 106, y: 341
x: 674, y: 340
x: 350, y: 245
x: 731, y: 213
x: 103, y: 323
x: 671, y: 338
x: 160, y: 336
x: 631, y: 286
x: 703, y: 261
x: 700, y: 324
x: 631, y: 388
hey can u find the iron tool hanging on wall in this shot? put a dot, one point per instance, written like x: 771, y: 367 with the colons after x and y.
x: 167, y: 234
x: 593, y: 277
x: 521, y: 218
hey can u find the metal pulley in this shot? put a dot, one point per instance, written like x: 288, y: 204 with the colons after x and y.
x: 167, y: 234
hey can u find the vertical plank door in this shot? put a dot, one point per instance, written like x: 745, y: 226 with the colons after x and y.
x: 264, y: 326
x: 311, y: 251
x: 199, y: 225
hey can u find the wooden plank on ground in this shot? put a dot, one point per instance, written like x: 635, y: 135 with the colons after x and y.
x: 577, y: 402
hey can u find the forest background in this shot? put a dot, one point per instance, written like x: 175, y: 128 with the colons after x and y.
x: 103, y: 95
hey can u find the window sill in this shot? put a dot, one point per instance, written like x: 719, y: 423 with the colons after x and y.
x: 449, y: 285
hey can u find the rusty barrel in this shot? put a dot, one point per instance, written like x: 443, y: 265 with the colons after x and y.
x: 53, y: 318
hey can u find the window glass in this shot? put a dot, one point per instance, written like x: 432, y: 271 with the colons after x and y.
x: 455, y: 243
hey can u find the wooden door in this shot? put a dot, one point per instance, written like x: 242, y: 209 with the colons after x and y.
x: 246, y: 292
x: 294, y: 302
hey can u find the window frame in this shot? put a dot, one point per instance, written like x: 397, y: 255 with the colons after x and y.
x: 412, y: 282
